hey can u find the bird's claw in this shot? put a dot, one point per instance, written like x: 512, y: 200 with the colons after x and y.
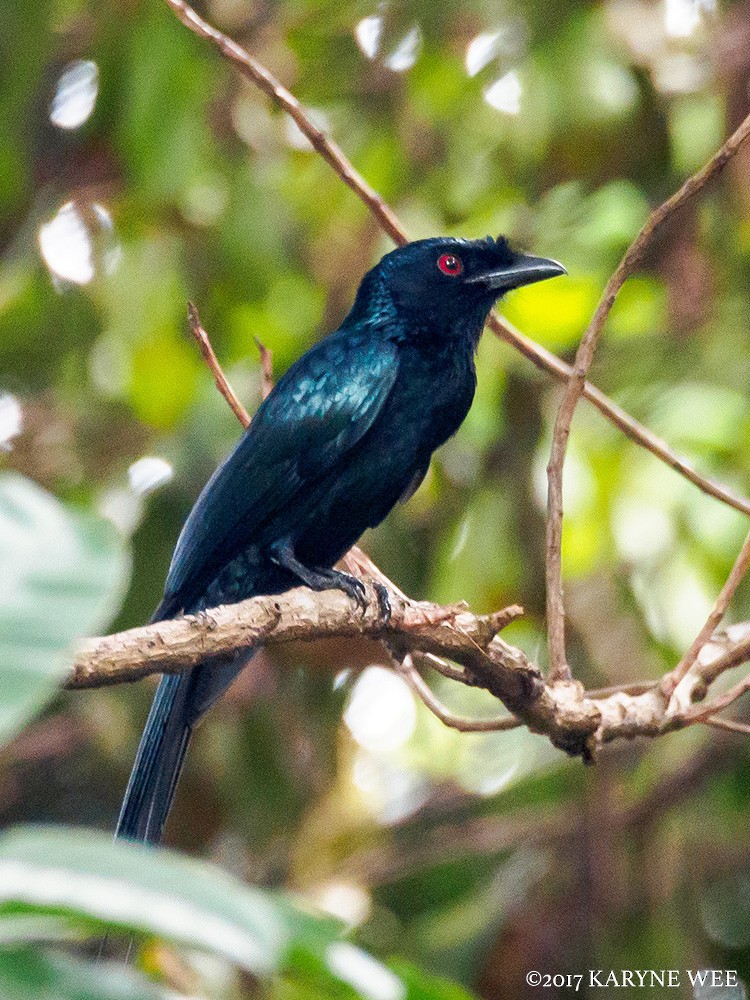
x: 354, y: 589
x: 384, y: 601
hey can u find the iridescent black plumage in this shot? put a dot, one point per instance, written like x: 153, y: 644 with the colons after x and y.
x: 346, y: 432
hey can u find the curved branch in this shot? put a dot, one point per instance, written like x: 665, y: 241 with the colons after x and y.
x: 559, y: 669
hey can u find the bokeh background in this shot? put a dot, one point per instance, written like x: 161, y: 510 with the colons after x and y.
x: 137, y: 171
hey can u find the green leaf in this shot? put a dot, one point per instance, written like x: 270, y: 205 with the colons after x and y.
x: 58, y: 875
x: 154, y: 891
x: 63, y: 574
x: 34, y: 975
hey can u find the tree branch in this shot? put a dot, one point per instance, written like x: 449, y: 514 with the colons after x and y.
x: 559, y: 669
x: 574, y: 721
x: 390, y: 224
x: 670, y: 681
x: 415, y: 681
x: 209, y: 356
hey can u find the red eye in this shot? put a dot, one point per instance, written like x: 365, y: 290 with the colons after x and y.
x: 450, y: 265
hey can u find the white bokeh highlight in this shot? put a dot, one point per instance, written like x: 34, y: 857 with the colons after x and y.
x: 75, y: 95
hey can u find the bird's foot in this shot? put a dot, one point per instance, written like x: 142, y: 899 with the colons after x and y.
x: 352, y: 586
x: 320, y: 579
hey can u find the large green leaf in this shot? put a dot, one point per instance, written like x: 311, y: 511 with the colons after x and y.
x: 62, y: 574
x: 82, y: 880
x: 155, y: 891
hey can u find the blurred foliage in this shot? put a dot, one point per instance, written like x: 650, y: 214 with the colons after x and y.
x: 136, y: 170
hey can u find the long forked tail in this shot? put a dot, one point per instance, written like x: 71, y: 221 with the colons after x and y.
x: 159, y: 761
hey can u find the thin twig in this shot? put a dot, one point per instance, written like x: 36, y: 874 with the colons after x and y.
x: 266, y: 367
x: 700, y: 713
x: 212, y: 361
x: 543, y: 359
x: 441, y: 666
x: 559, y: 669
x: 416, y: 682
x: 326, y: 147
x: 548, y: 362
x: 670, y: 681
x: 731, y: 725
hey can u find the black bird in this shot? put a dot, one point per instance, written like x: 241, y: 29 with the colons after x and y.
x: 347, y: 432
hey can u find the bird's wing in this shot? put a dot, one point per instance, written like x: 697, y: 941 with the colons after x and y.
x: 315, y: 414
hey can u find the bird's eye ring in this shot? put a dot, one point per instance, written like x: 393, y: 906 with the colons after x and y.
x: 450, y: 265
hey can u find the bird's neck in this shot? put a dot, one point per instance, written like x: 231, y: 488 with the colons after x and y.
x: 437, y: 333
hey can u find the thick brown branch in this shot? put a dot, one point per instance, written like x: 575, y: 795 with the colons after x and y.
x: 559, y: 669
x: 572, y: 720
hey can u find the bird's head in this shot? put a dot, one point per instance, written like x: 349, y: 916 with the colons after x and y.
x: 444, y: 282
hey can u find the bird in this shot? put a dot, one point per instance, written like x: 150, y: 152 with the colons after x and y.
x: 345, y: 434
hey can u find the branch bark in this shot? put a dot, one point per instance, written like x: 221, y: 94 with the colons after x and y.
x: 574, y: 721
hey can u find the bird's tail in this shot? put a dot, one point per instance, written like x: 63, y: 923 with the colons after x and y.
x: 159, y: 761
x: 180, y: 702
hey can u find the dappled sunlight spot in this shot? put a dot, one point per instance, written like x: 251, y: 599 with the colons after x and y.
x: 78, y: 241
x: 401, y: 57
x: 381, y: 714
x: 679, y: 73
x: 641, y: 530
x: 66, y: 246
x: 481, y: 51
x: 341, y: 678
x: 75, y: 94
x: 121, y: 507
x: 390, y: 793
x: 672, y: 599
x: 363, y: 973
x: 347, y: 902
x: 505, y: 94
x: 406, y: 52
x: 148, y: 473
x: 682, y: 17
x: 612, y: 86
x: 368, y: 34
x: 508, y: 41
x: 11, y: 420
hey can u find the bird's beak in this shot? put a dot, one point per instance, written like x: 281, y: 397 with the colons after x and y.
x: 524, y: 270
